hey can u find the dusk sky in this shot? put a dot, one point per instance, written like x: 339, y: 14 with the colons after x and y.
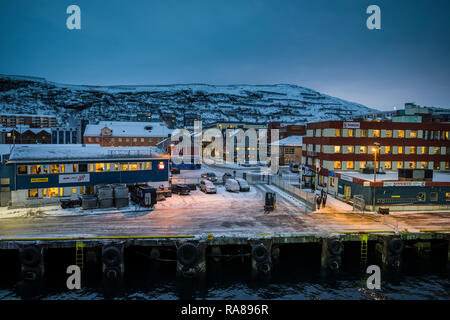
x: 322, y: 45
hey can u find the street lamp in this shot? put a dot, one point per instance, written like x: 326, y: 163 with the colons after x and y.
x: 375, y: 149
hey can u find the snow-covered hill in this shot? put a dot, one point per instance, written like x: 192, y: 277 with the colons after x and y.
x: 289, y: 104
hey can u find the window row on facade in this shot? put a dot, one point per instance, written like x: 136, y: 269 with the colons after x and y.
x: 381, y: 133
x: 59, y: 191
x: 82, y: 167
x: 349, y: 165
x: 97, y: 139
x: 383, y: 149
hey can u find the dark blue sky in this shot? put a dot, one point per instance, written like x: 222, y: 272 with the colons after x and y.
x: 322, y: 45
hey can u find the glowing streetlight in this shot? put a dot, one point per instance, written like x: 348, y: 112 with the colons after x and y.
x: 375, y: 149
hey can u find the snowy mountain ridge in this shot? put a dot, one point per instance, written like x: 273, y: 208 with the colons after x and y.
x: 287, y: 103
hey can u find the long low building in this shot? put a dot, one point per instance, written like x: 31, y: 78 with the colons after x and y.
x: 39, y: 174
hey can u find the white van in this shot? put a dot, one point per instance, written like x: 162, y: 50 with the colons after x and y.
x: 243, y: 184
x: 207, y: 186
x: 232, y: 185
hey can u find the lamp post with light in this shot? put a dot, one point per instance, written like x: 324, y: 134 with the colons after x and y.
x: 375, y: 149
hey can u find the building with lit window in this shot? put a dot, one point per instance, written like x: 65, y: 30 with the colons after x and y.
x: 126, y: 134
x: 40, y: 174
x: 290, y: 150
x: 339, y: 146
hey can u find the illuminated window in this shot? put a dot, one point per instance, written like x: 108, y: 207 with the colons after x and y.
x: 337, y: 165
x: 363, y: 149
x: 412, y: 150
x: 99, y: 167
x: 116, y: 167
x: 351, y: 132
x: 412, y: 165
x: 423, y: 150
x: 447, y: 196
x: 350, y: 149
x: 400, y: 150
x: 337, y: 132
x: 33, y: 193
x: 421, y: 196
x: 401, y: 133
x: 142, y: 139
x: 413, y: 134
x: 124, y: 167
x: 447, y: 165
x: 54, y: 168
x: 362, y: 164
x: 45, y: 169
x: 424, y: 165
x: 133, y: 166
x: 53, y: 192
x: 134, y: 139
x: 387, y: 165
x: 337, y: 149
x: 436, y: 165
x: 74, y: 190
x: 44, y: 192
x: 387, y: 150
x: 22, y: 170
x: 332, y: 181
x: 399, y: 164
x: 148, y: 166
x: 91, y: 167
x: 350, y: 165
x: 388, y: 133
x: 74, y: 167
x: 108, y: 166
x: 363, y: 133
x: 436, y: 150
x: 35, y: 169
x: 376, y: 133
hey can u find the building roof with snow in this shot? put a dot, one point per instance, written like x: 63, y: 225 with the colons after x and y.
x: 291, y: 141
x: 129, y: 129
x: 73, y: 152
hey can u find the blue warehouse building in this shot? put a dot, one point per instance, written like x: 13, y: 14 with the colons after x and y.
x: 40, y: 174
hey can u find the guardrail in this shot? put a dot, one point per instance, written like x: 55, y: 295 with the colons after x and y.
x: 307, y: 197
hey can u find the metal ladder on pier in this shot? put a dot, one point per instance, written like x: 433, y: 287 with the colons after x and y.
x: 364, y: 238
x: 79, y: 255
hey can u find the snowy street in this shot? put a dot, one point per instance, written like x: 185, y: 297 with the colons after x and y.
x: 223, y: 213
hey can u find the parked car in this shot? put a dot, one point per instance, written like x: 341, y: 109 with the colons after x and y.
x: 232, y: 185
x: 243, y: 184
x: 174, y: 170
x: 226, y: 176
x: 211, y: 176
x: 207, y: 186
x: 181, y: 189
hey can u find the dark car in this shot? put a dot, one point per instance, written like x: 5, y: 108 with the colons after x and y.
x: 181, y: 189
x: 211, y: 176
x: 174, y: 170
x: 226, y: 176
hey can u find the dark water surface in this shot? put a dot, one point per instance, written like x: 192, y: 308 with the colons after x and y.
x: 292, y: 278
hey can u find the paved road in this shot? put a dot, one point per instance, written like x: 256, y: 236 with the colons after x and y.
x: 219, y: 214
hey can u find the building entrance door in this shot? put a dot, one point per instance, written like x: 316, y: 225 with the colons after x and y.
x: 347, y: 192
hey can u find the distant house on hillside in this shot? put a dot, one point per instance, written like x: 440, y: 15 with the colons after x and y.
x: 120, y: 134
